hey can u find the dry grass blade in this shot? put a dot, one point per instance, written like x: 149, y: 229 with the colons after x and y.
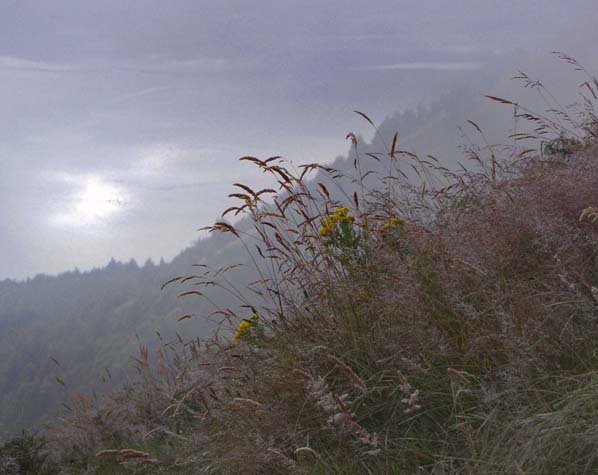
x: 226, y: 227
x: 394, y: 145
x: 500, y: 100
x: 246, y: 188
x: 175, y: 279
x: 366, y: 118
x: 189, y: 292
x: 355, y: 379
x: 324, y: 189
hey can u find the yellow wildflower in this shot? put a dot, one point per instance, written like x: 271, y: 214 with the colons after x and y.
x: 341, y: 215
x: 243, y: 329
x: 245, y: 326
x: 392, y: 224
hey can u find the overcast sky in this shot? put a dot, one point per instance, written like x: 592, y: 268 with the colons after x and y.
x: 121, y: 121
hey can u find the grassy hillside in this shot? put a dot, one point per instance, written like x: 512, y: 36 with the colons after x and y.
x: 90, y: 322
x: 440, y: 322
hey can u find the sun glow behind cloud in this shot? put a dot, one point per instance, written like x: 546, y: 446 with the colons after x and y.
x: 93, y: 203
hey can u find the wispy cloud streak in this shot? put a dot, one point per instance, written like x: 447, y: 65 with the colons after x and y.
x: 424, y: 65
x: 159, y: 68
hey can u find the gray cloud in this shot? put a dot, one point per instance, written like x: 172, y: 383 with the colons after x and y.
x: 158, y: 99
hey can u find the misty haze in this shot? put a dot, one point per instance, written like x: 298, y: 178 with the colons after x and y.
x: 298, y: 237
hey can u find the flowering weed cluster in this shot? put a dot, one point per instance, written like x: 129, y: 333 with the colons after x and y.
x: 392, y: 225
x: 338, y: 226
x: 248, y: 329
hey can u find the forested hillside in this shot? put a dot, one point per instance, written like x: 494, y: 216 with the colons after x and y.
x: 76, y: 331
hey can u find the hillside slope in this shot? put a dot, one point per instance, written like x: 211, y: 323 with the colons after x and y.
x: 89, y: 322
x: 441, y: 330
x: 76, y: 331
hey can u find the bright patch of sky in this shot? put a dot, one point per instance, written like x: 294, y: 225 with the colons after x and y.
x: 93, y: 203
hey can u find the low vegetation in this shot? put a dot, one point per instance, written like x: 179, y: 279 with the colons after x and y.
x: 412, y: 319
